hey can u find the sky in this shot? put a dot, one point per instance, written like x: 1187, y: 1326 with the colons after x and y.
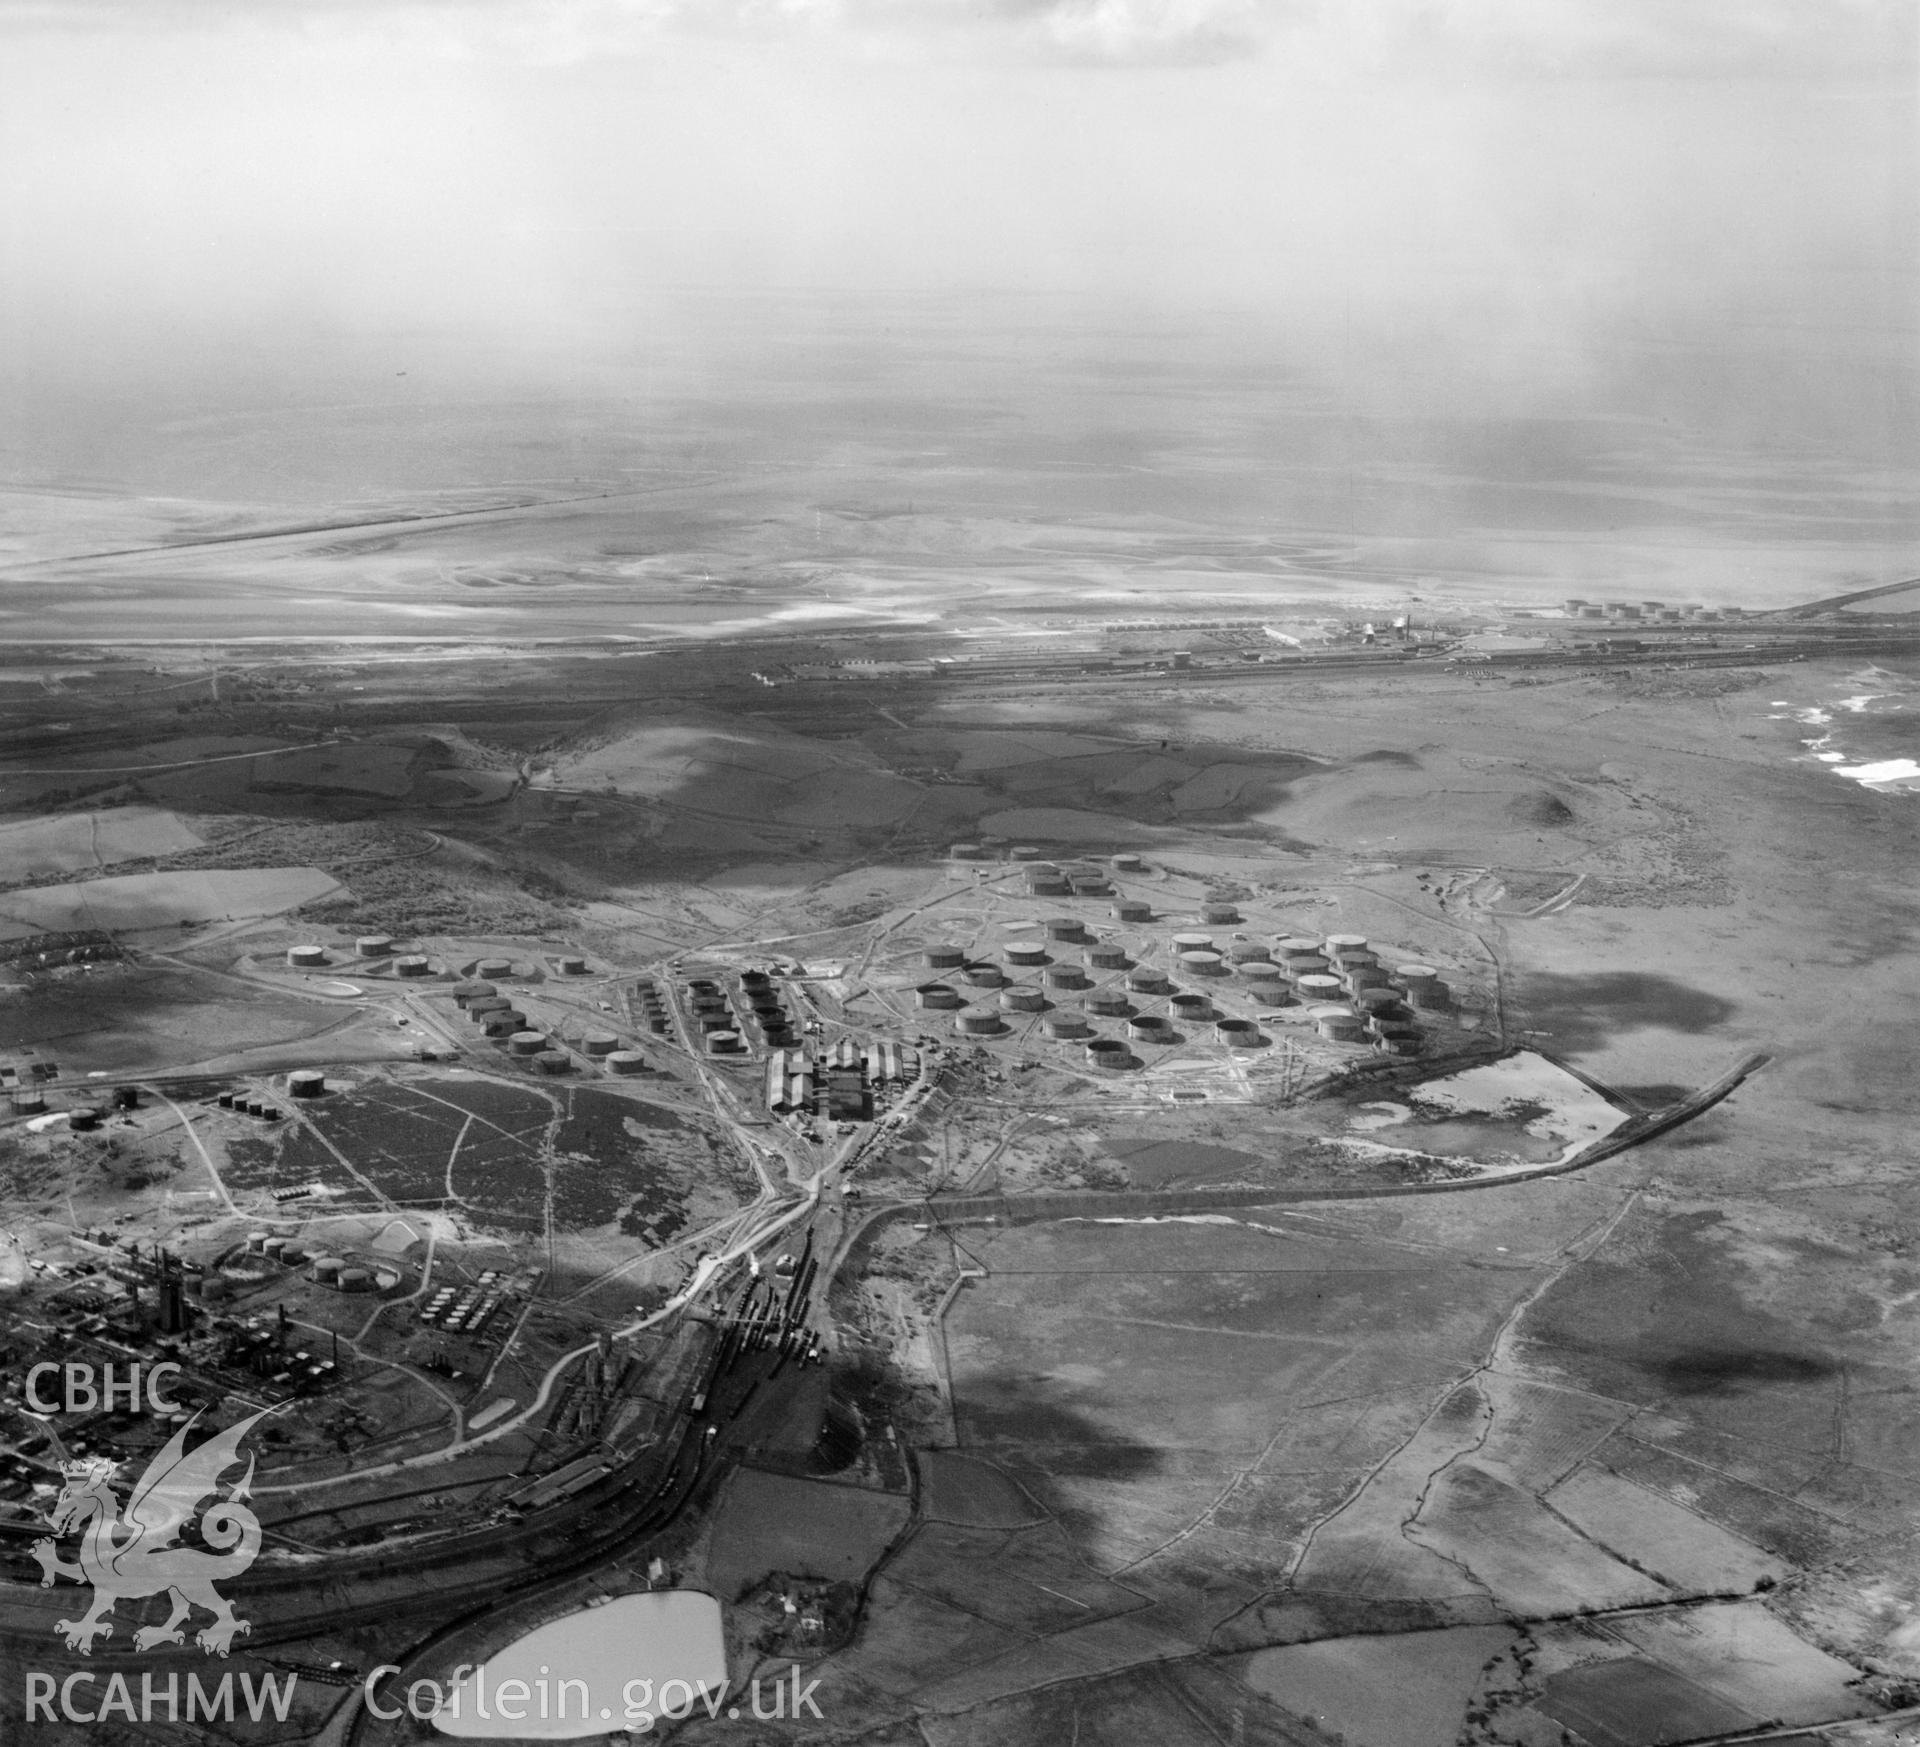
x: 1455, y: 199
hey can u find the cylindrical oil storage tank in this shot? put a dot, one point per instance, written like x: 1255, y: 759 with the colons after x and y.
x: 273, y: 1246
x: 1592, y: 612
x: 526, y: 1043
x: 257, y: 1242
x: 1398, y: 1045
x: 1245, y: 951
x: 1146, y: 980
x: 326, y: 1269
x: 936, y: 995
x: 1063, y: 928
x: 504, y: 1024
x: 1125, y: 863
x: 1191, y: 942
x: 373, y: 945
x: 1026, y: 952
x: 1106, y: 957
x: 1297, y: 946
x: 1108, y: 1054
x: 1385, y: 1025
x: 755, y: 980
x: 1219, y: 911
x: 1378, y: 1000
x: 573, y: 966
x: 978, y: 1024
x: 1048, y: 886
x: 553, y: 1061
x: 306, y: 1083
x: 626, y: 1061
x: 226, y: 1100
x: 1297, y: 967
x: 1133, y: 910
x: 1430, y: 997
x: 723, y: 1043
x: 267, y: 1112
x: 1021, y: 1001
x: 494, y: 967
x: 28, y: 1101
x: 599, y: 1043
x: 1109, y: 1002
x: 1064, y: 1025
x: 967, y: 851
x: 1318, y: 988
x: 306, y: 958
x: 1092, y: 885
x: 354, y: 1280
x: 1258, y: 970
x: 1337, y: 943
x: 1064, y: 976
x: 293, y: 1254
x: 465, y: 994
x: 1237, y: 1033
x: 945, y: 956
x: 1573, y: 604
x: 1023, y: 852
x: 1339, y: 1024
x: 723, y: 1021
x: 1414, y: 976
x: 1150, y: 1027
x: 82, y: 1118
x: 1365, y: 976
x: 412, y: 965
x: 1271, y: 992
x: 1191, y: 1007
x: 985, y: 976
x: 1202, y: 964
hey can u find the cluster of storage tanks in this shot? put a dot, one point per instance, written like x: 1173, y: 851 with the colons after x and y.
x: 1354, y: 997
x: 506, y: 1026
x: 1647, y: 612
x: 796, y: 1079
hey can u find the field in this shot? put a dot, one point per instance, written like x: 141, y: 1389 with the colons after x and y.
x: 130, y: 903
x: 806, y: 1528
x: 33, y: 849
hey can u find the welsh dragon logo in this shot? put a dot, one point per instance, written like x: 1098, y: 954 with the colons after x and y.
x: 134, y: 1554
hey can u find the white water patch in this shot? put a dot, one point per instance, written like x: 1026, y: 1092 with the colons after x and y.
x: 1889, y: 774
x: 1380, y: 1115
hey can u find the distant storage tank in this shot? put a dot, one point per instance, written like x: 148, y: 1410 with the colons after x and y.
x: 936, y: 995
x: 1339, y: 1025
x: 1049, y: 886
x: 257, y: 1242
x: 1023, y: 852
x: 1415, y: 976
x: 967, y: 851
x: 599, y: 1043
x: 978, y: 1024
x: 1220, y: 912
x: 273, y: 1246
x: 1318, y: 988
x: 1150, y: 1028
x: 1191, y: 1007
x: 1021, y: 1000
x: 527, y: 1042
x: 755, y: 980
x: 1237, y: 1033
x: 494, y: 967
x: 412, y: 965
x: 1132, y: 910
x: 1573, y: 606
x: 354, y: 1280
x: 1063, y: 928
x: 1365, y: 976
x: 1430, y: 997
x: 985, y: 976
x: 306, y: 958
x: 306, y: 1083
x: 1203, y: 964
x: 573, y: 966
x: 1193, y: 943
x: 267, y: 1112
x: 1593, y: 612
x: 1064, y: 1025
x: 1108, y: 1054
x: 465, y: 994
x: 1106, y: 1001
x: 1127, y: 864
x: 553, y: 1061
x: 1258, y: 970
x: 1336, y: 944
x: 1245, y: 951
x: 504, y: 1024
x: 945, y: 957
x: 626, y: 1061
x: 81, y: 1118
x: 1106, y: 957
x: 1296, y: 946
x: 293, y: 1254
x: 1377, y: 1000
x: 1064, y: 976
x: 1146, y: 979
x: 373, y: 945
x: 326, y: 1269
x: 225, y: 1100
x: 28, y: 1101
x: 1026, y: 952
